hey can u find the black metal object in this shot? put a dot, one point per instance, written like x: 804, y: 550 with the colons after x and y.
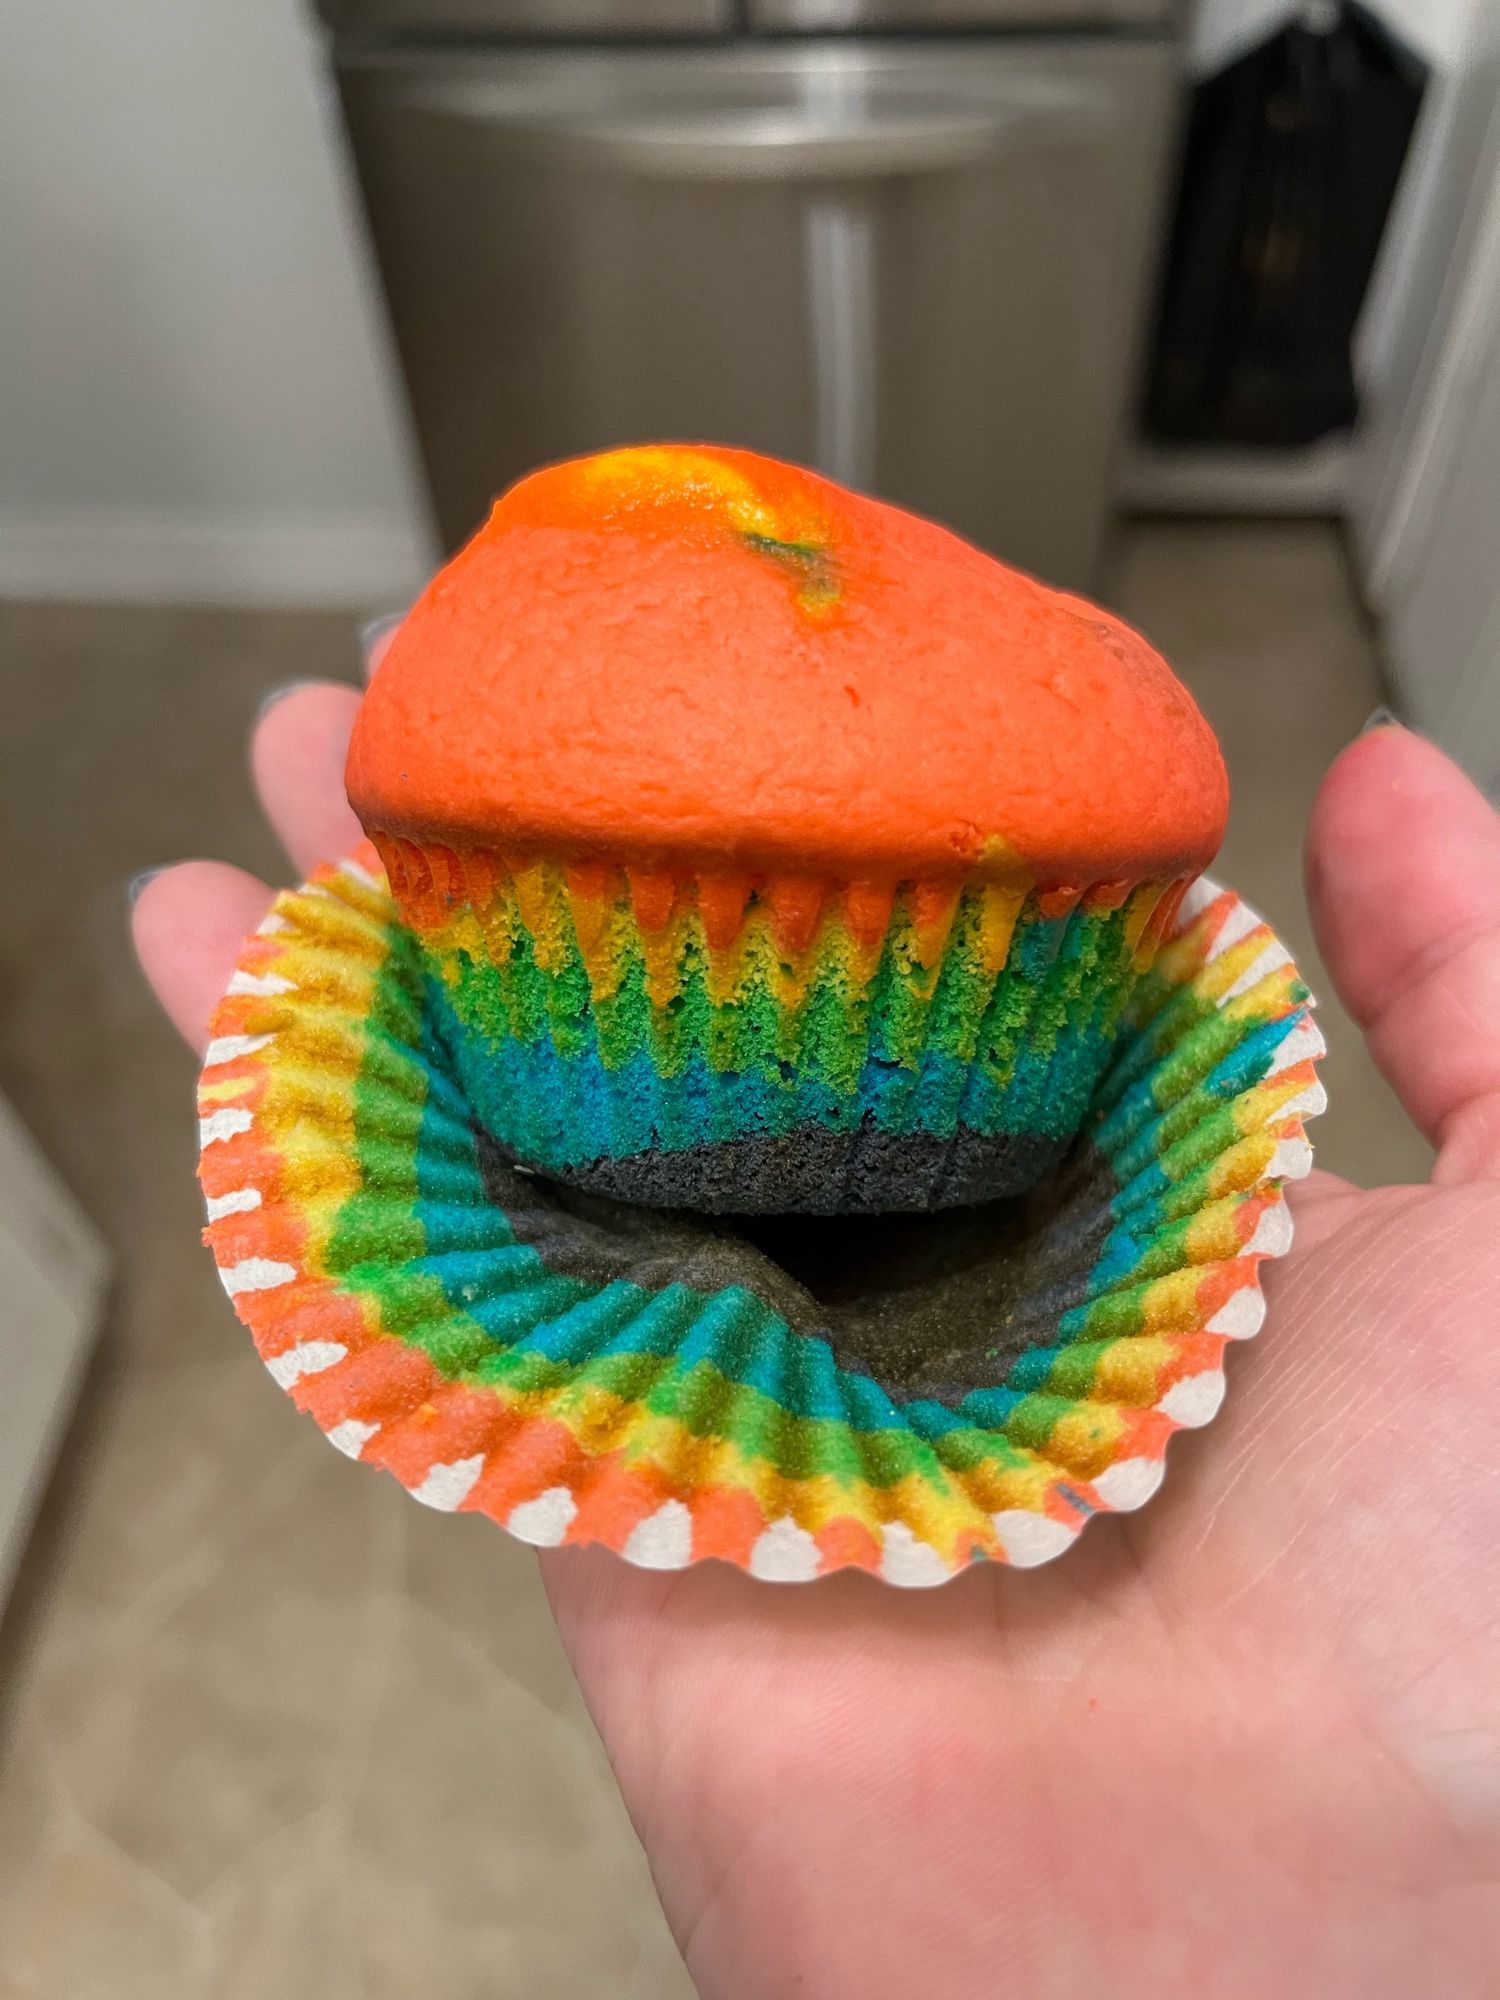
x: 1291, y: 160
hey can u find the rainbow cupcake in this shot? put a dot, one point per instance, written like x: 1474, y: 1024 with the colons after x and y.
x: 770, y: 848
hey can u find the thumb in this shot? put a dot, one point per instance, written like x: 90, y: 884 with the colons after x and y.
x: 1403, y: 876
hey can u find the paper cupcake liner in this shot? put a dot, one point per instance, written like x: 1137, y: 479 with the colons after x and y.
x: 758, y: 1042
x: 586, y: 1371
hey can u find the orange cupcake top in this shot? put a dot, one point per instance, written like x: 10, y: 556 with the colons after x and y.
x: 680, y: 654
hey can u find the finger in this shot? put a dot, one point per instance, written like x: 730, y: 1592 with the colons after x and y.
x: 1403, y: 875
x: 188, y: 925
x: 1321, y: 1204
x: 376, y: 639
x: 297, y: 755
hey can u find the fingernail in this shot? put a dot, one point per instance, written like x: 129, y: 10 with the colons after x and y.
x: 278, y: 695
x: 1380, y: 718
x: 135, y: 887
x: 371, y: 635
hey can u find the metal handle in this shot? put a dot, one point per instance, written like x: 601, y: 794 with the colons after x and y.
x: 792, y: 146
x: 790, y: 143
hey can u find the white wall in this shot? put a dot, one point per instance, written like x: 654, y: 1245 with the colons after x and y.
x: 195, y: 395
x: 1436, y: 29
x: 1223, y: 30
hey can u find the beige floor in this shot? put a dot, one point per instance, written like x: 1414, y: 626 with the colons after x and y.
x: 268, y: 1731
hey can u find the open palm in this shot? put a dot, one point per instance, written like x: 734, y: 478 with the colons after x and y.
x: 1246, y: 1743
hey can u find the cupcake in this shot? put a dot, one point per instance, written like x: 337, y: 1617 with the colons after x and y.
x: 770, y: 848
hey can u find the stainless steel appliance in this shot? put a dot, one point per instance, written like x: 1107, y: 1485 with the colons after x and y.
x: 917, y: 263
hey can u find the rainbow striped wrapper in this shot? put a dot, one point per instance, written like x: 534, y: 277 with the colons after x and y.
x: 938, y: 1390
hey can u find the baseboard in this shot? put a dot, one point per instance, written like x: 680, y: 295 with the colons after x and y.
x: 1226, y: 479
x: 139, y: 555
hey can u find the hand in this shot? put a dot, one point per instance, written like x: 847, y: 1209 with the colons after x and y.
x: 1241, y: 1744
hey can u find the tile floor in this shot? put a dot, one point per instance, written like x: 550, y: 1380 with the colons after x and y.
x: 267, y: 1731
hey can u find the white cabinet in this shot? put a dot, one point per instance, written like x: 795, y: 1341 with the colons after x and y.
x: 53, y: 1270
x: 1435, y: 574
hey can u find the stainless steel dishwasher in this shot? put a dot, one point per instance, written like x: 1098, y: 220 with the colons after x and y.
x: 917, y: 261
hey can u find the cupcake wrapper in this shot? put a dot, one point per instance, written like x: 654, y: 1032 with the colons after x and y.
x: 902, y: 1396
x: 740, y: 1043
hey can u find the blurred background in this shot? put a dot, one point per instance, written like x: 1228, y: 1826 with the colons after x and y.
x: 1196, y: 308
